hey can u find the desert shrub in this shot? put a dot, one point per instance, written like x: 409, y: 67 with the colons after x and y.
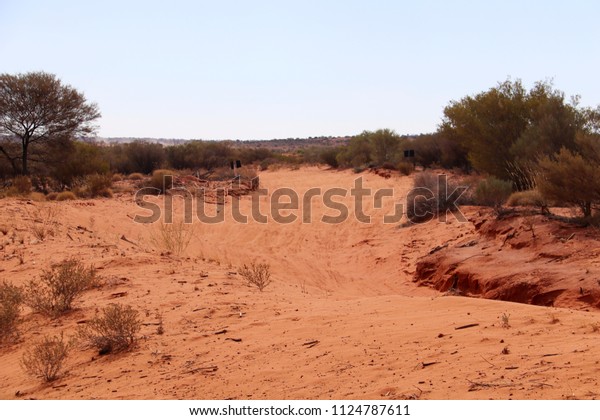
x: 258, y: 274
x: 52, y: 196
x: 570, y: 178
x: 43, y: 221
x: 173, y: 238
x: 114, y: 330
x: 65, y: 196
x: 117, y: 177
x: 528, y: 198
x: 99, y: 185
x: 38, y: 197
x: 422, y: 200
x: 161, y: 180
x: 136, y: 176
x: 492, y: 192
x: 22, y: 184
x: 11, y: 298
x: 78, y: 160
x: 45, y: 359
x: 137, y: 156
x: 57, y: 288
x: 427, y: 200
x: 405, y: 168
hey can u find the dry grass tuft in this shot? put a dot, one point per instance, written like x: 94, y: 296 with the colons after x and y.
x: 43, y: 221
x: 57, y: 288
x: 136, y: 176
x: 45, y: 358
x: 173, y: 238
x: 504, y: 320
x: 114, y: 331
x: 258, y: 274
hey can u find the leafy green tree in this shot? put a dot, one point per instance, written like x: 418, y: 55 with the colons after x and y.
x: 358, y: 152
x: 384, y: 144
x: 37, y: 109
x: 488, y: 124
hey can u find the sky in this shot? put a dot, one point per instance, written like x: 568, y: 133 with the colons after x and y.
x: 257, y: 69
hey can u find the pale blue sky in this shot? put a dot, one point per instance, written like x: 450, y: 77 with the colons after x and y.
x: 276, y: 69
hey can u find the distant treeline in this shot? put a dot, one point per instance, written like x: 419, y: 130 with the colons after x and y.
x: 525, y: 139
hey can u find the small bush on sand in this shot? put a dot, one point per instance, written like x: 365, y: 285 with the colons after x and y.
x: 45, y: 359
x: 529, y: 198
x: 98, y: 185
x: 173, y: 238
x: 57, y: 288
x: 11, y: 298
x: 162, y: 180
x: 52, y: 196
x: 136, y: 176
x: 22, y: 184
x: 117, y: 177
x: 38, y: 197
x: 492, y: 192
x: 434, y: 195
x: 113, y: 331
x: 43, y: 221
x: 258, y: 274
x: 65, y: 195
x: 405, y: 168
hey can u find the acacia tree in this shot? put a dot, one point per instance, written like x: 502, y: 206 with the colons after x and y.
x: 37, y: 109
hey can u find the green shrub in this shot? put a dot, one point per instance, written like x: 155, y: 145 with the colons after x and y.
x: 113, y: 331
x: 529, y: 198
x: 57, y: 288
x: 570, y: 178
x: 492, y: 192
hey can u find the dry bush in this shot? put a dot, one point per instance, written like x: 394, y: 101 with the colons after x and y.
x: 114, y: 331
x: 38, y: 197
x: 405, y: 168
x: 52, y: 196
x: 57, y: 288
x: 136, y: 176
x: 426, y: 200
x: 161, y: 180
x: 492, y: 192
x: 117, y: 177
x: 258, y: 274
x: 65, y: 195
x: 173, y: 238
x: 99, y: 185
x: 22, y: 185
x: 528, y: 198
x: 46, y: 357
x: 504, y: 320
x: 43, y: 221
x: 11, y: 298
